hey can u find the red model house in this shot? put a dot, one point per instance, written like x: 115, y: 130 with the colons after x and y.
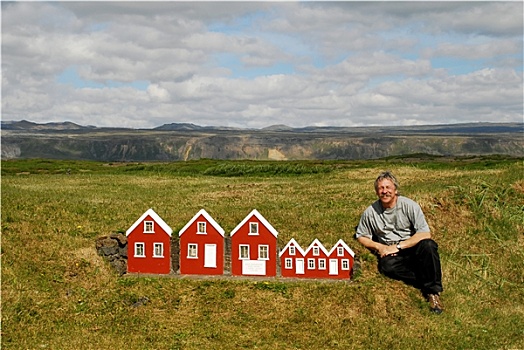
x: 149, y: 245
x: 292, y: 260
x: 316, y: 258
x: 341, y: 259
x: 254, y: 247
x: 202, y: 246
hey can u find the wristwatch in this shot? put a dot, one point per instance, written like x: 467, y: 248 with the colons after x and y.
x: 398, y: 246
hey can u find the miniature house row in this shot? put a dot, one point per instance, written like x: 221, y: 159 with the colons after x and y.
x: 254, y: 250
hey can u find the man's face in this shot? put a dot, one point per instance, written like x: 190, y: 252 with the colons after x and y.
x: 387, y: 193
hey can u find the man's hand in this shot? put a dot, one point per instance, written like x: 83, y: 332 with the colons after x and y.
x: 382, y: 249
x: 385, y: 250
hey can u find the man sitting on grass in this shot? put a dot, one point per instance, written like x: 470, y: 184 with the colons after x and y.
x: 395, y: 228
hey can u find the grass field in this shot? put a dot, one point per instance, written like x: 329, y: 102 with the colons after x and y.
x: 58, y: 294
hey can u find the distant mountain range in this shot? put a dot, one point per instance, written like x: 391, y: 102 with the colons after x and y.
x: 184, y: 141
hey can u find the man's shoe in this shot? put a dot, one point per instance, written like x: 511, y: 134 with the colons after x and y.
x: 434, y: 303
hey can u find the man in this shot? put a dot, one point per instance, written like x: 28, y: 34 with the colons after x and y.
x: 395, y: 228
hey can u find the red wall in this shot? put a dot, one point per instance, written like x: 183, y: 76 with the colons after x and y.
x: 342, y: 274
x: 264, y: 237
x: 293, y: 271
x: 148, y: 264
x: 316, y: 272
x: 196, y: 266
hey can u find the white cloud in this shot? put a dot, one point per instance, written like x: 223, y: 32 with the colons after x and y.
x: 251, y: 64
x: 157, y: 93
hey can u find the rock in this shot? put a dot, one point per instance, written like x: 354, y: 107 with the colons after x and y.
x: 120, y: 266
x: 113, y: 248
x: 141, y: 301
x: 120, y: 238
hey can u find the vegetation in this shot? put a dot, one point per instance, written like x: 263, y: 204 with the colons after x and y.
x: 178, y: 142
x: 58, y: 294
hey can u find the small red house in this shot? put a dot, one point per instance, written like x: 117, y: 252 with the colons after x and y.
x: 292, y: 260
x: 149, y: 245
x: 254, y: 247
x: 202, y: 246
x: 316, y: 259
x: 341, y: 259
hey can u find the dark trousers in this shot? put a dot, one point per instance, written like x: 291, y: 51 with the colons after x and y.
x: 418, y: 266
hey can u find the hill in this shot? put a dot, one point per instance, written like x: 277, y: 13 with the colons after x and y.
x: 183, y: 141
x: 57, y: 293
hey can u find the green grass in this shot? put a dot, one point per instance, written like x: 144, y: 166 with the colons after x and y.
x: 58, y: 294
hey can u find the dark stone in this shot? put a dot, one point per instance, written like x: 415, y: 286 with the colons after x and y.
x: 120, y: 266
x: 113, y: 249
x: 141, y: 301
x: 120, y: 238
x: 175, y: 254
x: 123, y: 252
x: 107, y: 251
x: 227, y: 255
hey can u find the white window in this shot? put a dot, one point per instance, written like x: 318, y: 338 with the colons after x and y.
x: 263, y: 252
x: 345, y: 264
x: 340, y: 251
x: 289, y: 263
x: 292, y: 250
x: 140, y: 250
x: 316, y: 251
x: 158, y: 250
x: 192, y: 250
x: 244, y: 251
x: 149, y: 227
x: 253, y: 228
x: 321, y: 264
x: 201, y: 226
x: 311, y: 264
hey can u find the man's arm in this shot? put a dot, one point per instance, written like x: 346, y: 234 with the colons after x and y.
x: 385, y: 250
x: 413, y: 240
x: 380, y: 248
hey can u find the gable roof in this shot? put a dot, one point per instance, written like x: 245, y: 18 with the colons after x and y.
x: 292, y: 242
x: 208, y: 218
x: 316, y: 242
x: 343, y: 244
x: 259, y: 216
x: 156, y: 218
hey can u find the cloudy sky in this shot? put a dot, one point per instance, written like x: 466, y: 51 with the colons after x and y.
x: 255, y: 64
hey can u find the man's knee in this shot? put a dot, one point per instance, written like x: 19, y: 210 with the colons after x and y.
x: 427, y: 245
x: 386, y: 265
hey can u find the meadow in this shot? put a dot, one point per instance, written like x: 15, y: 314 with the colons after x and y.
x: 57, y: 293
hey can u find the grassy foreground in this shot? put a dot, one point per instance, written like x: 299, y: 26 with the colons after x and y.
x: 58, y: 294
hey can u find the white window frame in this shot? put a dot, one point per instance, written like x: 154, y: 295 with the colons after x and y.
x: 155, y: 245
x: 149, y: 223
x: 261, y: 250
x: 310, y: 264
x: 204, y: 226
x: 240, y: 257
x: 321, y: 264
x: 345, y: 264
x: 340, y: 251
x: 143, y: 247
x: 316, y: 251
x: 292, y: 250
x: 288, y: 263
x: 253, y: 229
x: 192, y: 247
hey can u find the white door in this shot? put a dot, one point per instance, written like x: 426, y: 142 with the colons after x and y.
x: 299, y: 266
x: 210, y: 255
x: 333, y: 266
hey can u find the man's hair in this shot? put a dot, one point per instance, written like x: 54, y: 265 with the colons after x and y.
x: 387, y: 175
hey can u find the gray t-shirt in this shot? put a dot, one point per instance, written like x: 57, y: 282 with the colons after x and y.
x: 392, y: 225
